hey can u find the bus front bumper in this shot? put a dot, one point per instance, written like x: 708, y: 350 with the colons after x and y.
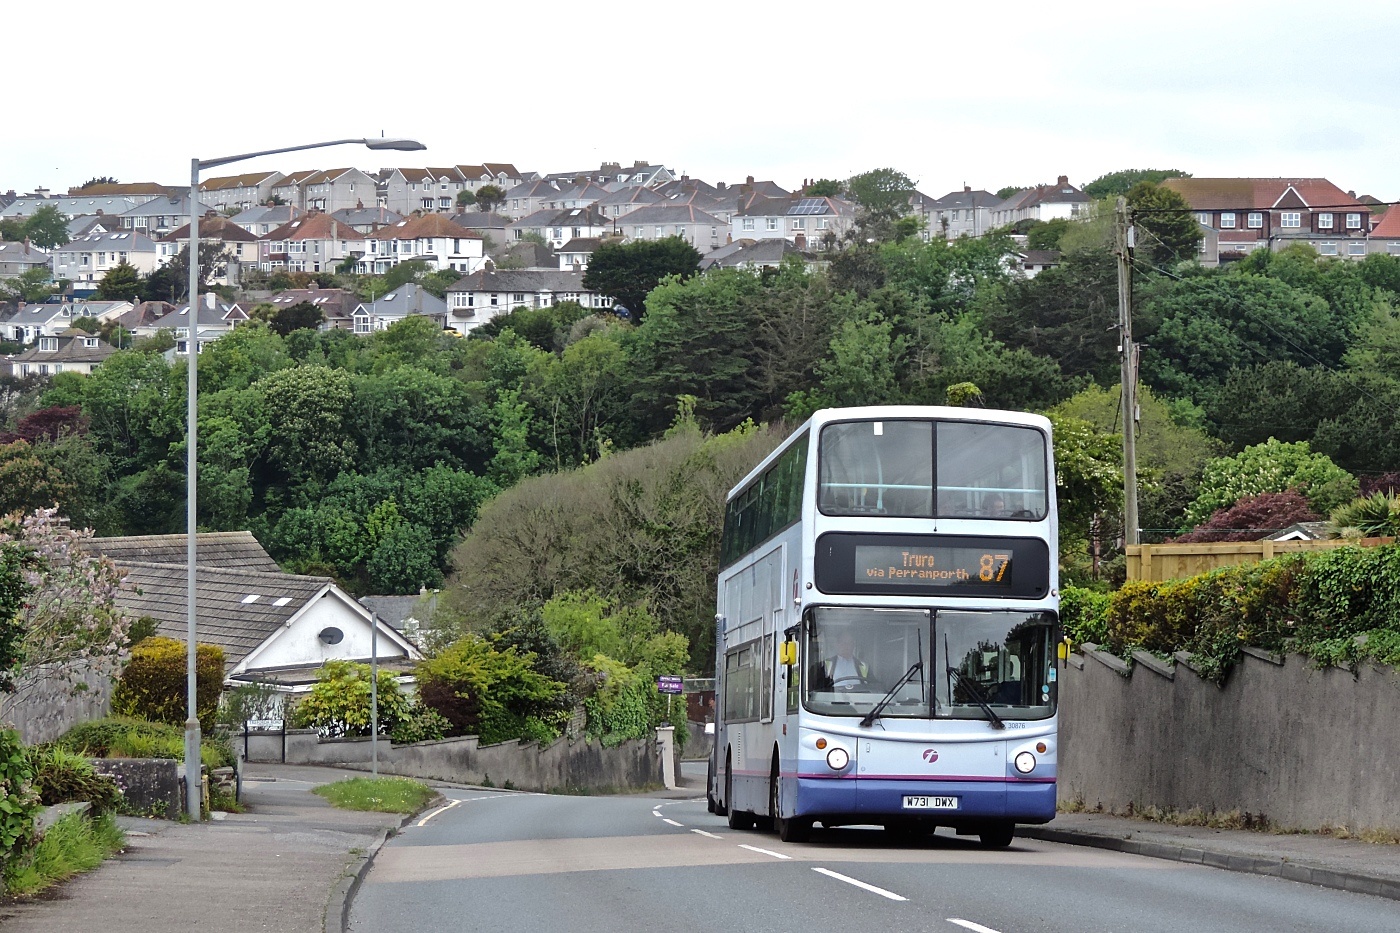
x: 880, y: 798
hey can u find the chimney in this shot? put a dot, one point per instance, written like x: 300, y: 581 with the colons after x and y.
x: 967, y: 189
x: 749, y: 180
x: 209, y: 300
x: 1063, y: 180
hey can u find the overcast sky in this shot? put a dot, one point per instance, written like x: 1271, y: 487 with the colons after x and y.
x: 990, y: 94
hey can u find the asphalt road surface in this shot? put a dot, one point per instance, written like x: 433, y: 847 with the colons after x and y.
x: 504, y: 861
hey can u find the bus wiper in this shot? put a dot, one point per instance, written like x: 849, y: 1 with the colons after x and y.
x: 978, y: 697
x: 875, y: 712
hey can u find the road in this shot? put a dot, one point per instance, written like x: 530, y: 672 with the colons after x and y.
x: 503, y: 861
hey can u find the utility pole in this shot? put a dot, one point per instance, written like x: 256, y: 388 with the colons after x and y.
x: 1125, y: 243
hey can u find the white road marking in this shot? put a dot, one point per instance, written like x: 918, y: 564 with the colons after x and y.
x: 700, y: 831
x: 860, y: 884
x: 655, y: 812
x: 672, y: 822
x: 974, y: 927
x: 437, y: 811
x: 765, y: 851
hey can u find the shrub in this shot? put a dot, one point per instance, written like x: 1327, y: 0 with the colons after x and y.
x: 1084, y: 615
x: 1251, y: 516
x: 19, y: 799
x: 154, y: 683
x: 339, y: 703
x: 62, y: 776
x: 497, y: 695
x: 121, y: 737
x: 422, y: 724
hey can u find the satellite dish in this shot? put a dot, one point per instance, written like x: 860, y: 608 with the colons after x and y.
x: 331, y: 635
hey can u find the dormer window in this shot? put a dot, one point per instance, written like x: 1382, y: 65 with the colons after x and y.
x: 48, y: 343
x: 90, y: 342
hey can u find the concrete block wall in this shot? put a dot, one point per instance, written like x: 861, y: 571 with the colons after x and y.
x: 578, y: 766
x: 47, y: 703
x: 1305, y: 747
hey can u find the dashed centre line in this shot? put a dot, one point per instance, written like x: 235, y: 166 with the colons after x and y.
x: 974, y: 927
x: 705, y: 834
x: 765, y: 851
x: 672, y: 822
x: 860, y: 884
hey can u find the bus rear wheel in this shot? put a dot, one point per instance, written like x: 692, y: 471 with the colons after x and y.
x: 738, y: 819
x: 997, y: 836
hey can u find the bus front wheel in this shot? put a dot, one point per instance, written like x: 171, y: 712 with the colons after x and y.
x: 794, y: 829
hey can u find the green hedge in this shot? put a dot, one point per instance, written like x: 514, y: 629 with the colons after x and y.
x: 122, y: 737
x: 1336, y: 606
x: 155, y: 682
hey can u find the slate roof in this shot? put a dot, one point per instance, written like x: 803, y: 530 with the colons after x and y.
x: 72, y: 348
x: 122, y: 189
x: 1062, y: 192
x: 480, y: 220
x: 313, y: 226
x: 770, y: 251
x: 127, y: 241
x: 236, y: 550
x: 631, y: 195
x: 391, y: 609
x: 568, y: 217
x: 246, y: 180
x: 429, y: 225
x: 963, y: 199
x: 213, y: 227
x: 226, y: 616
x: 669, y: 213
x: 23, y: 252
x: 267, y: 214
x: 519, y: 280
x: 1261, y: 194
x: 167, y: 207
x: 361, y: 216
x: 583, y: 244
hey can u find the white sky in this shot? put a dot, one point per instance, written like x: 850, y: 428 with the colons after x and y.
x: 988, y: 94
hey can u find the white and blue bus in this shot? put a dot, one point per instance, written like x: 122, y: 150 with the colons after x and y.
x: 887, y: 627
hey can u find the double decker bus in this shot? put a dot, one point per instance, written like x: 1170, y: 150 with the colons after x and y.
x: 887, y: 627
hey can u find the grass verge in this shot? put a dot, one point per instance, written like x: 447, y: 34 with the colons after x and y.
x: 73, y: 844
x: 386, y: 795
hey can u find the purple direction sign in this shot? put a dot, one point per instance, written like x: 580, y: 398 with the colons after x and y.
x: 669, y: 683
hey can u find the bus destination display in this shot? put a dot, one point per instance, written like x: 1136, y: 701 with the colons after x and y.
x: 932, y: 565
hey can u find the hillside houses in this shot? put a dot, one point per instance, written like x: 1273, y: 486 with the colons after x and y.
x: 474, y: 300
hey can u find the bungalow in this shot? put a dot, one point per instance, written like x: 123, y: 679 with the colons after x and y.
x: 403, y: 302
x: 337, y: 304
x: 476, y: 299
x: 558, y: 227
x: 73, y: 351
x: 213, y: 320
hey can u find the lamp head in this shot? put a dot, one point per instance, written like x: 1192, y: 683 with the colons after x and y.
x: 402, y: 145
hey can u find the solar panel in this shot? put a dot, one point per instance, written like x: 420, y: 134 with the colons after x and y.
x: 809, y: 206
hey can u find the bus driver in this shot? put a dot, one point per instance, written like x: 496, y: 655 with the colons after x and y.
x: 842, y: 670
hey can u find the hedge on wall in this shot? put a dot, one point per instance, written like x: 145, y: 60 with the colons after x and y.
x: 154, y: 683
x: 1336, y: 606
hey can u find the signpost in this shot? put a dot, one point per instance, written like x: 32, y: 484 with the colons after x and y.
x: 670, y: 684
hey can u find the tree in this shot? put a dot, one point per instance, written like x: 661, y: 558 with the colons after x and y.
x: 1009, y: 190
x: 1168, y: 231
x: 1271, y: 467
x: 627, y: 272
x: 121, y: 283
x: 31, y: 285
x: 171, y: 282
x: 494, y: 694
x: 882, y: 197
x: 1046, y: 234
x: 465, y: 199
x: 1119, y: 183
x: 490, y: 197
x: 339, y: 702
x: 47, y: 227
x: 27, y: 482
x: 295, y: 317
x: 823, y: 188
x: 98, y: 180
x: 1252, y: 517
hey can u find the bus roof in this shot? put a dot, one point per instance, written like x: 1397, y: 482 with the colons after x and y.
x: 825, y: 416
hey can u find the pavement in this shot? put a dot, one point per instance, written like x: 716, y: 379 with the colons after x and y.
x: 292, y: 862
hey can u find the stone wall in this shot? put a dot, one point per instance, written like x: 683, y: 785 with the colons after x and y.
x: 1305, y: 747
x: 575, y: 766
x: 47, y: 704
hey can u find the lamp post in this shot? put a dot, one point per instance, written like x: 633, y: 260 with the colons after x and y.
x: 192, y: 737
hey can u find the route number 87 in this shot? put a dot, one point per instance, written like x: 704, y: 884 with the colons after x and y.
x: 993, y: 567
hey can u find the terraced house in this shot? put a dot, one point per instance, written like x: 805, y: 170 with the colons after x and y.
x: 1271, y: 213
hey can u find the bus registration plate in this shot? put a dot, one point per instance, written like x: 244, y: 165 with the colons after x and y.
x: 930, y: 803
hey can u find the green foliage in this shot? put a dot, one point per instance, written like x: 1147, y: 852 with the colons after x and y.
x: 46, y: 228
x: 73, y: 844
x: 34, y: 285
x: 1167, y: 228
x: 1088, y: 475
x: 154, y: 683
x: 1046, y: 234
x: 385, y: 794
x: 295, y: 317
x: 19, y: 798
x: 62, y: 776
x: 422, y: 724
x: 494, y: 694
x: 121, y: 283
x: 1084, y: 615
x: 338, y: 704
x: 1121, y: 182
x: 627, y: 272
x: 125, y: 737
x: 489, y: 197
x: 824, y: 188
x: 1373, y: 516
x: 1271, y: 467
x: 882, y: 197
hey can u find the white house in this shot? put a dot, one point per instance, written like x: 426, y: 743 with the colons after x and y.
x: 701, y: 230
x: 86, y: 260
x: 431, y: 237
x: 802, y: 221
x: 403, y: 302
x: 476, y: 299
x: 71, y: 352
x: 1043, y: 202
x: 559, y: 227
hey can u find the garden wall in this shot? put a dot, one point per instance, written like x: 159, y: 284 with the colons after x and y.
x: 1307, y: 748
x: 580, y: 765
x: 45, y: 704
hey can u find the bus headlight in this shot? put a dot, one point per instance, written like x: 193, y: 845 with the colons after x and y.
x: 837, y: 759
x: 1025, y: 762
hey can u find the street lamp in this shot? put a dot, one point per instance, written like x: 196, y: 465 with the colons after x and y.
x: 192, y: 737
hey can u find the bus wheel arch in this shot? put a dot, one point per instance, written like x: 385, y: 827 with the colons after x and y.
x: 792, y: 829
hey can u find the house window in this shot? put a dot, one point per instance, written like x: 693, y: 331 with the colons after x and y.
x: 772, y: 223
x: 495, y: 299
x: 1290, y: 220
x: 1203, y: 218
x: 517, y: 298
x: 1324, y: 221
x: 361, y: 324
x: 90, y: 342
x: 1356, y: 249
x: 1353, y: 221
x: 659, y: 231
x: 1256, y: 220
x: 680, y: 230
x: 578, y: 232
x: 748, y: 223
x: 48, y: 343
x: 1327, y: 249
x: 798, y: 223
x: 558, y: 233
x: 1227, y: 219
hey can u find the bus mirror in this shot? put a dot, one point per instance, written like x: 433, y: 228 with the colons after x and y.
x: 1063, y: 649
x: 787, y: 653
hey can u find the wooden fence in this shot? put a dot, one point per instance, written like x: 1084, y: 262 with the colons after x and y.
x: 1157, y: 562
